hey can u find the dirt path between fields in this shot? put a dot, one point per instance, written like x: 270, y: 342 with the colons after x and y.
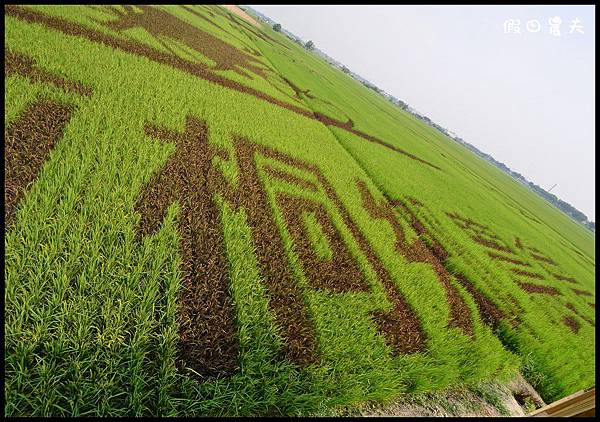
x: 241, y: 14
x: 516, y: 398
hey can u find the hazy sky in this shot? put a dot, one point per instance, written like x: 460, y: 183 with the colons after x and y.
x: 527, y: 99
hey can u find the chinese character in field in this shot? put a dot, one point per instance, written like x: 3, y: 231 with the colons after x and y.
x: 533, y: 25
x: 576, y: 26
x: 512, y: 26
x: 555, y: 25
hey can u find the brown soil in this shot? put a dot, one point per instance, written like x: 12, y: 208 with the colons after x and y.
x: 340, y: 273
x: 239, y: 12
x: 207, y: 334
x: 592, y: 305
x: 27, y: 145
x: 563, y: 278
x: 581, y: 292
x: 523, y: 397
x: 572, y: 323
x: 22, y: 65
x: 521, y: 390
x: 238, y: 59
x: 457, y: 402
x: 536, y: 288
x: 498, y: 257
x: 527, y: 273
x: 417, y: 251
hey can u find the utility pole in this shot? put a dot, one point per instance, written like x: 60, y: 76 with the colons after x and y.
x: 552, y: 187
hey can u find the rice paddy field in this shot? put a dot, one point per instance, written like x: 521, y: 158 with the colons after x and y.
x: 204, y: 218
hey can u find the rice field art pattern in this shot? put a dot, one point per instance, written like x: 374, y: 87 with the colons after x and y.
x: 203, y: 218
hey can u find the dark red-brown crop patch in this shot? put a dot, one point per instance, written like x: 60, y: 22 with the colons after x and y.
x: 581, y: 292
x: 564, y: 278
x: 417, y: 251
x: 290, y: 178
x: 207, y: 20
x: 487, y: 233
x: 285, y: 297
x: 573, y: 309
x: 338, y: 274
x: 161, y: 24
x: 415, y: 201
x: 25, y: 66
x: 572, y: 323
x: 491, y: 315
x: 299, y: 92
x: 491, y: 244
x: 527, y: 273
x: 237, y: 62
x: 430, y: 241
x: 543, y: 259
x: 400, y: 327
x: 465, y: 221
x: 207, y: 334
x: 518, y: 243
x: 247, y: 48
x: 499, y: 257
x: 514, y: 302
x: 478, y: 232
x: 536, y: 288
x: 28, y: 142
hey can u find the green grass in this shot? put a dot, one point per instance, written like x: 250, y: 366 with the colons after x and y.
x: 91, y: 313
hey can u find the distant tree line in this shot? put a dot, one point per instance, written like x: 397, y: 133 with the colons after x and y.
x: 398, y: 102
x: 565, y: 207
